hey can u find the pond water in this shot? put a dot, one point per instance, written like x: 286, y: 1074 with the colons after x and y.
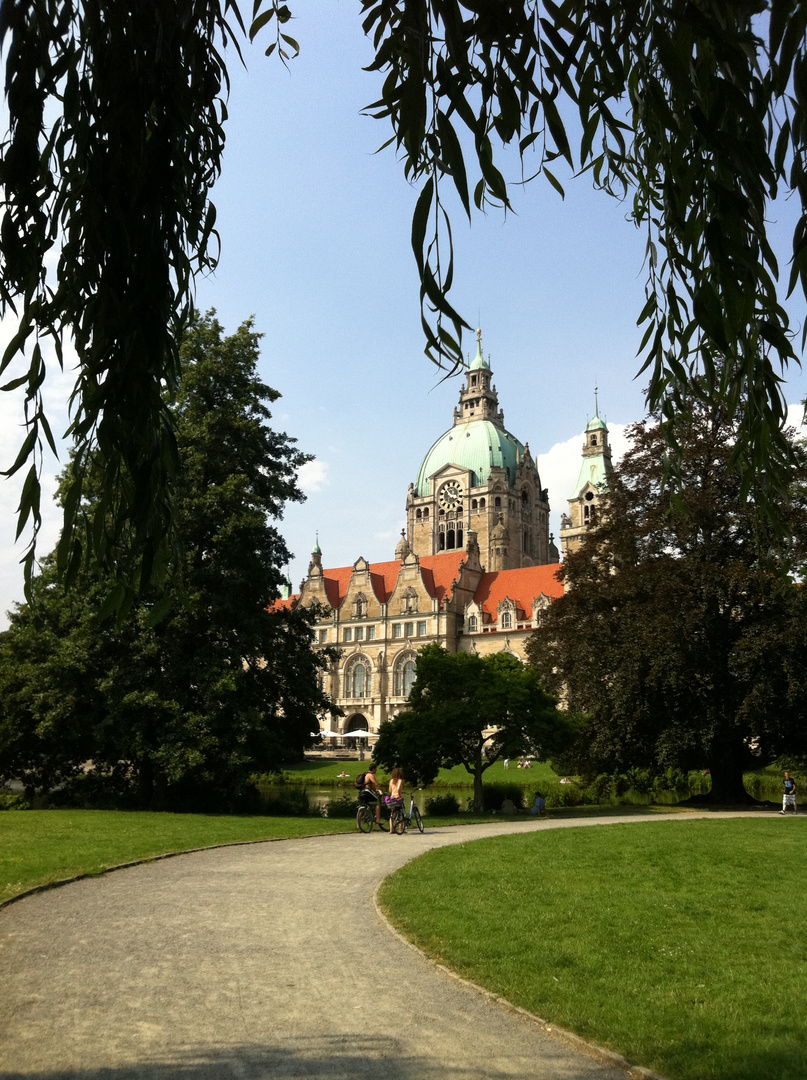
x: 320, y: 797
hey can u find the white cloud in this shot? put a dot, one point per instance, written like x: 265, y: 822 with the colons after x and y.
x: 313, y: 476
x: 795, y: 418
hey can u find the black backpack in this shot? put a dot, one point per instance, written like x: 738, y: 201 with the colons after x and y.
x: 358, y: 783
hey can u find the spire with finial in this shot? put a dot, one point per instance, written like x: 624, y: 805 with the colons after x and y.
x: 316, y: 548
x: 479, y: 360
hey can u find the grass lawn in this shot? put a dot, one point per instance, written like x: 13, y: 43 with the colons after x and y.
x: 322, y: 772
x: 681, y: 946
x: 41, y: 846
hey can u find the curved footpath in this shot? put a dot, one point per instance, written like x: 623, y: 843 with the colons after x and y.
x: 258, y: 962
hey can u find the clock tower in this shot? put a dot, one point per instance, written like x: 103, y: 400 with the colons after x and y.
x: 478, y: 477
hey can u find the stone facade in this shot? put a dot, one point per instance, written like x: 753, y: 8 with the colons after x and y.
x: 380, y: 614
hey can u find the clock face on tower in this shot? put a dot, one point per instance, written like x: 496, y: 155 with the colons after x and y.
x: 450, y: 497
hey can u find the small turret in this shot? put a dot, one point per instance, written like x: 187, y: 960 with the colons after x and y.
x: 402, y: 548
x: 315, y: 566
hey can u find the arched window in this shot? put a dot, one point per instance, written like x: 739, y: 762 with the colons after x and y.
x: 507, y: 620
x: 482, y: 504
x: 426, y: 514
x: 473, y: 624
x: 358, y: 680
x: 474, y: 504
x: 418, y: 514
x: 593, y: 440
x: 459, y: 538
x: 442, y: 540
x: 360, y: 606
x: 450, y: 538
x: 497, y: 501
x: 405, y: 676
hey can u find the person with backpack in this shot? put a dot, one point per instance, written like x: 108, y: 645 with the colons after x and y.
x: 367, y: 782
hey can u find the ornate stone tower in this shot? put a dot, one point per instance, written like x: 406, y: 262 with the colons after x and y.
x: 479, y: 477
x: 592, y: 484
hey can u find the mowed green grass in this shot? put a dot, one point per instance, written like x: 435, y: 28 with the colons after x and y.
x: 38, y: 847
x: 680, y: 945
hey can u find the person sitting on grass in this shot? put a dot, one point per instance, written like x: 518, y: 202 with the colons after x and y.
x: 539, y: 806
x: 395, y: 797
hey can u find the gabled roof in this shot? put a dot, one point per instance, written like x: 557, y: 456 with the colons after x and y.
x: 521, y: 586
x: 437, y: 571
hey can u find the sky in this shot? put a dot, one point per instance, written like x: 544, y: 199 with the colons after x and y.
x: 314, y: 227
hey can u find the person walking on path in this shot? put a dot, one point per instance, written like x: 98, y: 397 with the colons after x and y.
x: 789, y: 794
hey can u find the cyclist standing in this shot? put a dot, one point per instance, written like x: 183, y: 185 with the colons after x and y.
x: 371, y: 784
x: 395, y: 797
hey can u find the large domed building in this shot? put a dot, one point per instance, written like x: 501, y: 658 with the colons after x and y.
x: 478, y: 477
x: 474, y: 570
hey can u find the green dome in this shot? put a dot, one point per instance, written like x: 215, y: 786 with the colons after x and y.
x: 479, y: 446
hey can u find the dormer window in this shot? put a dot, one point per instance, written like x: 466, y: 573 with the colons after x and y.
x: 473, y: 624
x: 507, y: 620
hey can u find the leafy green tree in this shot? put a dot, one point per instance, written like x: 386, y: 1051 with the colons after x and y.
x: 692, y: 112
x: 681, y: 632
x: 470, y: 710
x: 200, y: 685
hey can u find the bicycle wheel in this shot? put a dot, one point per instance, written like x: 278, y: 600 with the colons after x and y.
x: 365, y: 819
x: 418, y: 820
x: 398, y: 821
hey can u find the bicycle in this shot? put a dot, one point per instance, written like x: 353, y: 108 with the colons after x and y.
x: 414, y: 813
x: 365, y: 818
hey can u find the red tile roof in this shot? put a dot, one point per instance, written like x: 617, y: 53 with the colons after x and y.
x: 289, y: 604
x: 437, y: 571
x: 521, y: 586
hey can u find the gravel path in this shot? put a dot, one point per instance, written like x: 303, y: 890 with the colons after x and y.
x: 263, y: 961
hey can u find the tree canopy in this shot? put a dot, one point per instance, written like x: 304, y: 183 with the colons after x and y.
x: 198, y: 685
x: 681, y: 632
x: 468, y: 710
x: 691, y: 112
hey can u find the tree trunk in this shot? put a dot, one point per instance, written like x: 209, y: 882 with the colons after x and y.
x: 479, y: 798
x: 727, y: 785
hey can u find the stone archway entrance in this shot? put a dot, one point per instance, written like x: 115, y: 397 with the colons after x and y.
x: 358, y: 727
